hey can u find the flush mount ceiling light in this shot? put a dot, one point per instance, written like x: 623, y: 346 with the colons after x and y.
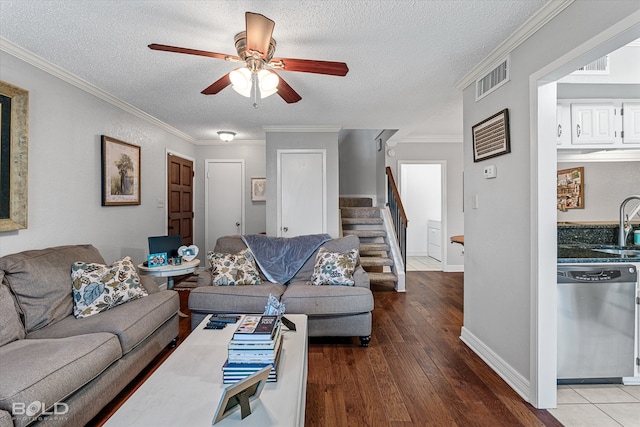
x: 226, y: 135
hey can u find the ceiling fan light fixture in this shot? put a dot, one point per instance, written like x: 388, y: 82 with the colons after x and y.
x: 226, y: 135
x: 241, y: 81
x: 268, y: 80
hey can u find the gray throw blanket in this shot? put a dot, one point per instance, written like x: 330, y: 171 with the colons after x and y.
x: 280, y: 258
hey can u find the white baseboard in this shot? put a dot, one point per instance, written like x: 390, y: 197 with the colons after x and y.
x: 515, y: 380
x: 453, y: 268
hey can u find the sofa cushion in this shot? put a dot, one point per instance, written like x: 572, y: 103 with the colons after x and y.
x: 233, y: 269
x: 233, y: 299
x: 132, y: 322
x: 230, y: 244
x: 334, y: 268
x: 98, y: 287
x: 304, y: 298
x: 40, y: 281
x: 11, y: 328
x: 49, y: 370
x: 341, y: 245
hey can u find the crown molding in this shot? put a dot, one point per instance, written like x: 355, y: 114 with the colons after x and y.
x: 433, y: 139
x: 316, y: 129
x: 46, y: 66
x: 549, y: 11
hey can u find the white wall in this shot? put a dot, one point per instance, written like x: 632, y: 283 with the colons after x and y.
x: 357, y: 157
x: 499, y: 251
x: 451, y: 153
x: 65, y: 125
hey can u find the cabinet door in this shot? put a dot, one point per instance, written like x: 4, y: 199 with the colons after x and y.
x: 593, y: 124
x: 631, y: 123
x: 563, y: 125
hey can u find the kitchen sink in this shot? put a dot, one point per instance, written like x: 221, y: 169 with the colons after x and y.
x: 620, y: 251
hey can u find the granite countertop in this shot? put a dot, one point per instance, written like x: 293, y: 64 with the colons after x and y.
x: 577, y: 242
x: 584, y: 253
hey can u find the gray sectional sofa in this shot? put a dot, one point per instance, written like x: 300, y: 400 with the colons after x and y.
x: 332, y: 310
x: 58, y: 370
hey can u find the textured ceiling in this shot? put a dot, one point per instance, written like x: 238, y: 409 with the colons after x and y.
x: 404, y: 57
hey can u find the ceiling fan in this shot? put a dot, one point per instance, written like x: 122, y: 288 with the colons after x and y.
x: 255, y: 48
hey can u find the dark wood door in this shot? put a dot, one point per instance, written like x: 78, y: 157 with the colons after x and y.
x: 180, y: 196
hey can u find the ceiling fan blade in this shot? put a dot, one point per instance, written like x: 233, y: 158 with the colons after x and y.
x: 218, y: 85
x: 286, y: 92
x: 310, y: 66
x: 187, y: 51
x: 259, y: 30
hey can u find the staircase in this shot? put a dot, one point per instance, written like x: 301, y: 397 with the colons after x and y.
x: 361, y: 219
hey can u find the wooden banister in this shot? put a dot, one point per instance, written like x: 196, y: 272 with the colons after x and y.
x: 398, y: 215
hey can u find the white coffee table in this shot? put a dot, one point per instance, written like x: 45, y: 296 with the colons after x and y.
x: 186, y: 388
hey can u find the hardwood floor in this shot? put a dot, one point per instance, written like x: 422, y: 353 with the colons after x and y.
x: 416, y: 371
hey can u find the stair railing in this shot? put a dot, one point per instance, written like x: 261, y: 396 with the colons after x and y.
x: 398, y: 215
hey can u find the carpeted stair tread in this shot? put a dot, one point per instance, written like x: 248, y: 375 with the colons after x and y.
x: 375, y: 261
x: 361, y: 221
x: 382, y: 277
x: 365, y: 233
x: 367, y: 247
x: 355, y: 202
x: 360, y: 212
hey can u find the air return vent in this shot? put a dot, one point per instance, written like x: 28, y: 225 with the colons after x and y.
x: 493, y: 79
x: 599, y: 66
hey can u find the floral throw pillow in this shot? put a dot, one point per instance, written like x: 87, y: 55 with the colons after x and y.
x: 234, y: 269
x: 334, y: 268
x: 98, y: 287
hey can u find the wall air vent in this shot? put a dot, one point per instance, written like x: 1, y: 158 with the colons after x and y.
x: 599, y: 66
x: 493, y: 79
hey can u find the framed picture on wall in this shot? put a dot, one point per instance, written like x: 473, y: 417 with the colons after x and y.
x: 571, y: 189
x: 120, y: 173
x: 258, y: 189
x: 491, y: 137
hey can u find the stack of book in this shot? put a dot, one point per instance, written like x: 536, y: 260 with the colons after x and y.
x: 256, y: 343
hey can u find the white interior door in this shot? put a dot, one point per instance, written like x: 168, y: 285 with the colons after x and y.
x: 301, y: 192
x: 224, y: 199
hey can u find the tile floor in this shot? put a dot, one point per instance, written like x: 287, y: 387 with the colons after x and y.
x: 598, y: 405
x: 423, y: 263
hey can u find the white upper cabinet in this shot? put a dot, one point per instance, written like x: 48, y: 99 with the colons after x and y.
x: 631, y: 122
x: 598, y: 124
x: 593, y: 124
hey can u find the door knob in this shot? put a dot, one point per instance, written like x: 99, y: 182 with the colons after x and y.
x: 285, y: 229
x: 238, y: 224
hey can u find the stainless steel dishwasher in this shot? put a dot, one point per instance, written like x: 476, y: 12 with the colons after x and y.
x: 596, y: 318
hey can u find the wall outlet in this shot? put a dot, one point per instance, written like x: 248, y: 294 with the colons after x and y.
x: 490, y: 172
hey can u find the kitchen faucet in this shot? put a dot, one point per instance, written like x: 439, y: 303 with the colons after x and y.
x: 625, y: 226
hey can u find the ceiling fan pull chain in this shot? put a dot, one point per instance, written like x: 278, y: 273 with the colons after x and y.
x: 254, y: 77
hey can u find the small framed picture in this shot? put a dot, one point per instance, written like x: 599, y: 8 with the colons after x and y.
x: 120, y: 173
x: 571, y: 189
x: 157, y: 260
x: 258, y: 189
x: 239, y: 395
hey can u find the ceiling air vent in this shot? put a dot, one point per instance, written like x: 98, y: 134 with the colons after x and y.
x: 493, y: 79
x: 599, y: 66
